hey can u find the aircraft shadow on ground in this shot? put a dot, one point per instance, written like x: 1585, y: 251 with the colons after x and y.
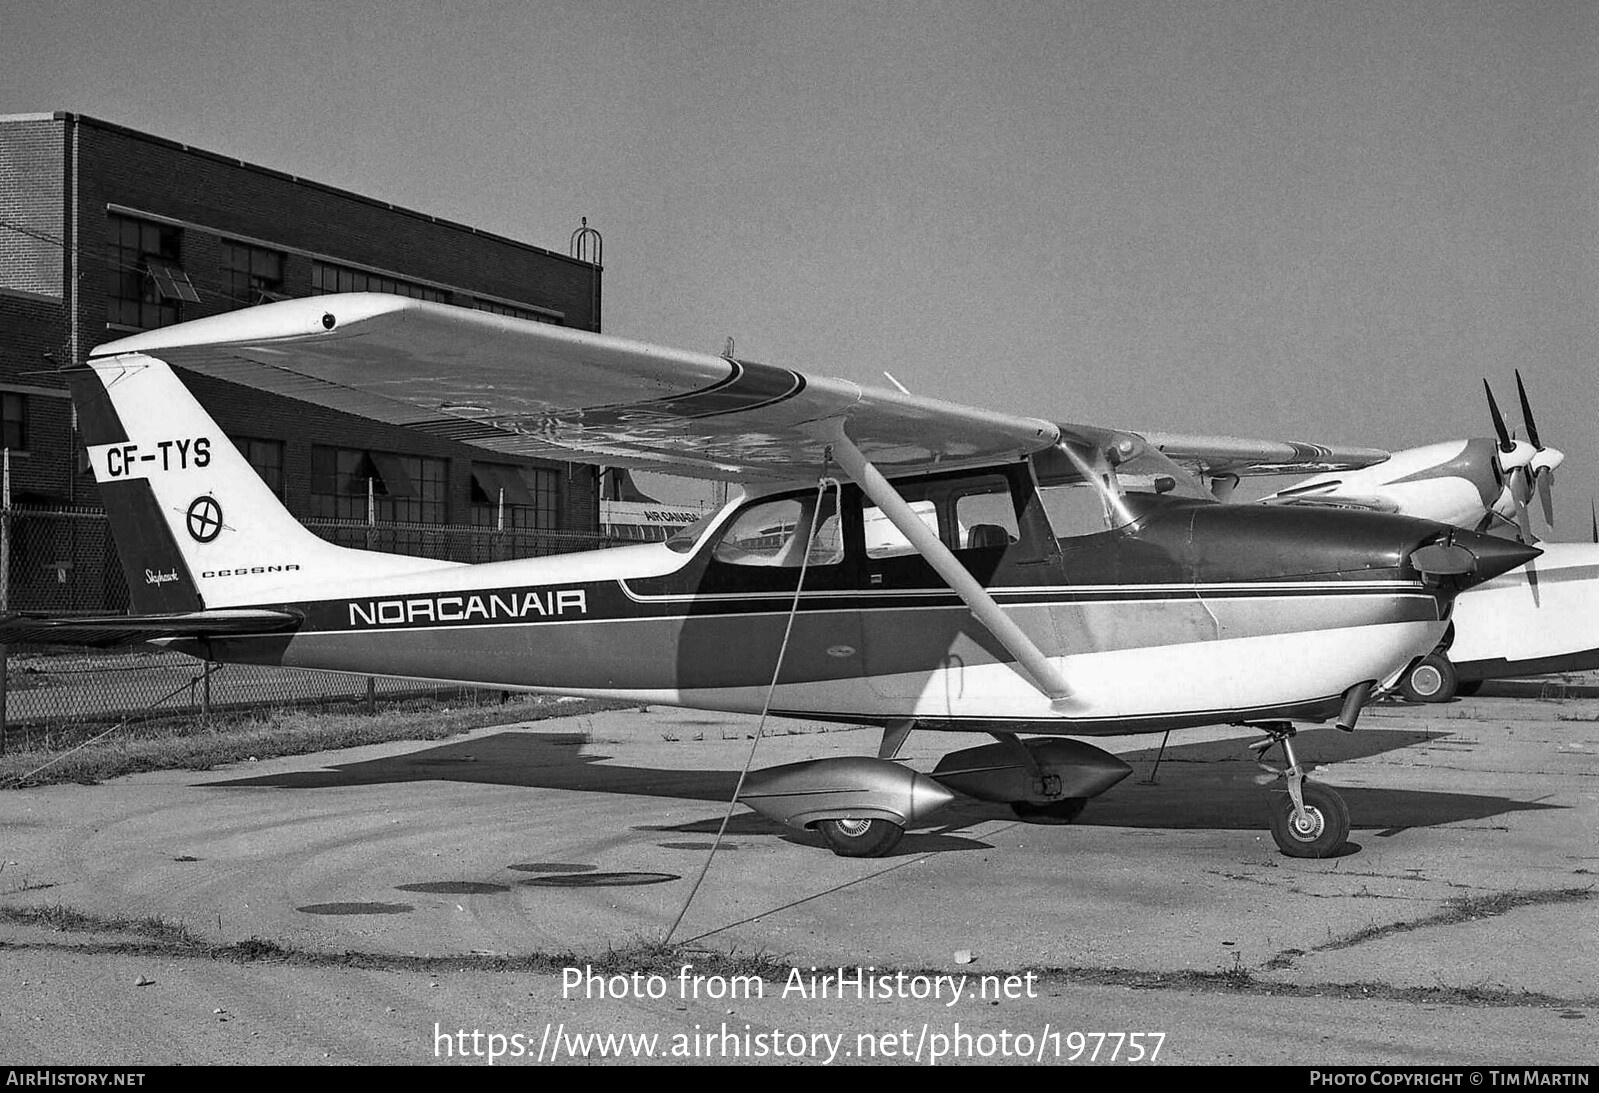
x: 1206, y: 785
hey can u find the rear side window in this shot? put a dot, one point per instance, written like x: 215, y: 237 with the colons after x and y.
x: 884, y: 540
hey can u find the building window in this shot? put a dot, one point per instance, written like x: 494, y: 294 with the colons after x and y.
x: 516, y: 312
x: 327, y: 277
x: 255, y: 275
x: 266, y: 456
x: 408, y: 489
x: 145, y: 282
x: 13, y: 421
x: 528, y: 498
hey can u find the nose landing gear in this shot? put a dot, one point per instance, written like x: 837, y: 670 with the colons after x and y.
x: 1307, y: 821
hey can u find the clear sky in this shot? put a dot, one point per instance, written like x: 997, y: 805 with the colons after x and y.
x: 1322, y: 220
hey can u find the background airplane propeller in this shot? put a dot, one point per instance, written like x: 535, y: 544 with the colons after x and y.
x: 1542, y: 467
x: 1527, y: 466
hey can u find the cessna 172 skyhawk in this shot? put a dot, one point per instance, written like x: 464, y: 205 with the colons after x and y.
x: 1046, y: 579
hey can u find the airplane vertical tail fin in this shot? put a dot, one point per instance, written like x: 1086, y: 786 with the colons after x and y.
x: 195, y: 525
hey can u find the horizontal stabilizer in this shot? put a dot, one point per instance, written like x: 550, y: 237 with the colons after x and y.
x: 108, y: 630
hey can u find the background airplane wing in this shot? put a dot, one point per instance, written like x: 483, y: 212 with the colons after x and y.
x: 1331, y: 493
x: 532, y: 389
x: 1220, y: 456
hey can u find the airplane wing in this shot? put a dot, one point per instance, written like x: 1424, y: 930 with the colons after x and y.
x: 109, y: 630
x: 1330, y: 494
x: 1220, y: 456
x: 531, y: 389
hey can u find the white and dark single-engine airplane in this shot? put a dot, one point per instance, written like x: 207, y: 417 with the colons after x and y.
x: 1051, y: 580
x: 1538, y: 618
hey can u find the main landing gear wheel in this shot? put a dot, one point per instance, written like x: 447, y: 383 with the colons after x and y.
x: 1318, y: 830
x: 1063, y: 811
x: 860, y: 838
x: 1430, y: 679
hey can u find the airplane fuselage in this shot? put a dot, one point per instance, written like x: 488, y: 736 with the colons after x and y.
x: 1539, y: 618
x: 1019, y: 576
x: 1454, y: 482
x: 1193, y: 614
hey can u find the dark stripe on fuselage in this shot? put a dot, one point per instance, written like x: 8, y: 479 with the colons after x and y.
x: 559, y: 639
x: 612, y: 601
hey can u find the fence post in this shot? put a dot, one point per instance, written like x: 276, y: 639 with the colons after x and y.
x: 5, y: 530
x: 205, y: 698
x: 5, y: 585
x: 371, y: 695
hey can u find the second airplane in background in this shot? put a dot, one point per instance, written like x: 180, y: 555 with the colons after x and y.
x: 1536, y: 619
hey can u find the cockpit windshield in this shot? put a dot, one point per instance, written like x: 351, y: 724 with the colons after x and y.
x: 1085, y: 489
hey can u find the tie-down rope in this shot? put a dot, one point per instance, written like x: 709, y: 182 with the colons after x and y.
x: 822, y: 486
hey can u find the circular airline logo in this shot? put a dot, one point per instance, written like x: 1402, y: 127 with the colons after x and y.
x: 205, y: 519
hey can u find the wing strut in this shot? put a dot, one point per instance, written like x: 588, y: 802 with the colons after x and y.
x: 1044, y: 674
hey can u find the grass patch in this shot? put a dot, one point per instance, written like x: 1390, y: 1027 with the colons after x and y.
x: 1463, y: 909
x: 194, y: 743
x: 158, y: 937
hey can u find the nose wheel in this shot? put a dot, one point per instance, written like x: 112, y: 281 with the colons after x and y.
x: 1307, y: 821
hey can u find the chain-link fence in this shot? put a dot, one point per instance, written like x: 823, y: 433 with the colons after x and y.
x: 52, y: 695
x: 61, y: 561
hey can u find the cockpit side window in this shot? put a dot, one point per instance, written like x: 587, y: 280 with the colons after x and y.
x: 884, y: 540
x: 774, y: 533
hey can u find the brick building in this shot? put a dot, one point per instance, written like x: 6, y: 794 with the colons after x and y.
x: 105, y: 231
